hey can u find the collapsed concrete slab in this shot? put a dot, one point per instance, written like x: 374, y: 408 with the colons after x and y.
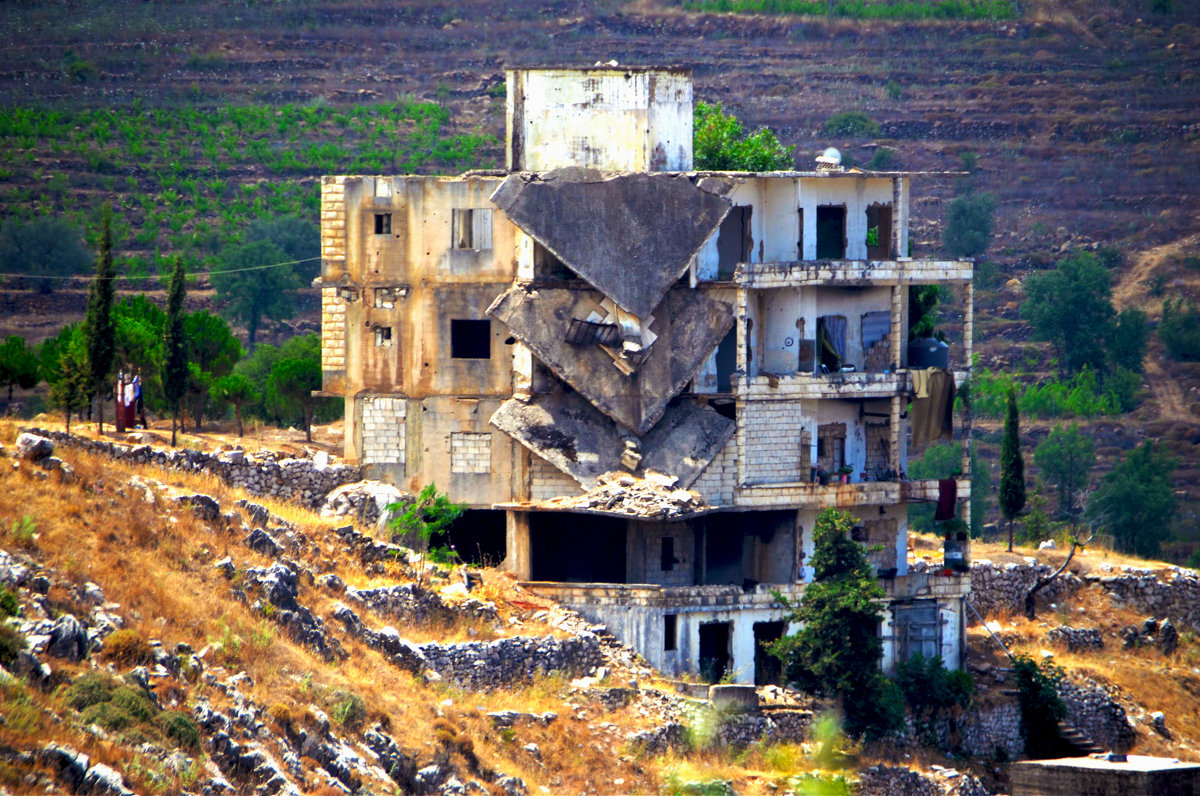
x: 689, y: 326
x: 631, y: 236
x: 570, y: 434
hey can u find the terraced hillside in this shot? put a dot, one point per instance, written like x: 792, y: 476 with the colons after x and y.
x: 1081, y: 117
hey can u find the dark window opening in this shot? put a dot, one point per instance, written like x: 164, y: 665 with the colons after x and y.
x: 831, y: 232
x: 800, y: 238
x: 670, y: 633
x: 668, y: 560
x: 725, y: 407
x: 768, y: 670
x: 383, y: 223
x: 383, y: 336
x: 470, y: 339
x: 477, y: 536
x: 727, y: 361
x: 714, y: 650
x: 831, y: 342
x: 879, y: 232
x: 734, y: 243
x: 591, y: 551
x: 831, y: 447
x: 546, y: 264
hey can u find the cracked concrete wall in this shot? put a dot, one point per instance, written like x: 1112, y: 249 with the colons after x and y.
x: 619, y: 119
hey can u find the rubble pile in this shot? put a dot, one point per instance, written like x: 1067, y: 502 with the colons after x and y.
x: 1076, y: 638
x: 651, y: 497
x: 365, y: 502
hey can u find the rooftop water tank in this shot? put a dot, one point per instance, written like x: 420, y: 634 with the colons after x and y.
x: 926, y: 352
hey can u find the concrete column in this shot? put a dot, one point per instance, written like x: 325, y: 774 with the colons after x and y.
x: 968, y: 334
x: 896, y: 430
x: 518, y: 549
x: 896, y: 333
x: 741, y: 643
x: 898, y: 217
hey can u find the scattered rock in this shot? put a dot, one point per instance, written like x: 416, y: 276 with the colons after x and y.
x: 1076, y: 638
x: 33, y: 447
x: 68, y: 639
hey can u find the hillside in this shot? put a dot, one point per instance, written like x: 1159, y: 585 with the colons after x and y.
x: 195, y: 118
x: 186, y: 634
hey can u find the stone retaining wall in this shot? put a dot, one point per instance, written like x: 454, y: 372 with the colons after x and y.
x: 306, y: 481
x: 484, y: 665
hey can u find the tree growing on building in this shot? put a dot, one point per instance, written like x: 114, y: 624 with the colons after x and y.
x: 175, y: 364
x: 1135, y: 500
x: 1066, y: 457
x: 719, y: 144
x: 18, y: 366
x: 1012, y: 468
x: 98, y: 323
x: 836, y: 652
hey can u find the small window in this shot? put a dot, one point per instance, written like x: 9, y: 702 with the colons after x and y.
x: 385, y: 298
x: 471, y: 229
x: 383, y: 336
x: 383, y: 223
x: 470, y: 339
x: 670, y: 633
x: 668, y: 553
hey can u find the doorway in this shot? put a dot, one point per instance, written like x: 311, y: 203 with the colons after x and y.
x: 768, y: 670
x: 714, y: 650
x: 831, y: 232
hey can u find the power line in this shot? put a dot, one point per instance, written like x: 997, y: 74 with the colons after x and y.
x: 156, y: 276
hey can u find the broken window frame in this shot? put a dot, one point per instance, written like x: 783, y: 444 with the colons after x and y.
x: 385, y: 298
x: 471, y: 228
x: 383, y: 336
x: 581, y: 332
x: 882, y: 248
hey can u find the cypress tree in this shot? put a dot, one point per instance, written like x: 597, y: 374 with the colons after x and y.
x: 99, y: 328
x: 175, y: 364
x: 1012, y: 468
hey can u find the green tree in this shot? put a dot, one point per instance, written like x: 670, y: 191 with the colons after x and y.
x: 18, y: 366
x: 1041, y: 706
x: 42, y: 249
x: 212, y: 351
x: 175, y: 364
x: 1012, y: 467
x: 248, y: 292
x: 298, y: 239
x: 981, y: 488
x: 138, y: 324
x: 424, y: 521
x: 1179, y: 329
x: 1135, y: 500
x: 837, y: 650
x: 291, y: 385
x: 98, y: 322
x: 69, y: 389
x: 237, y: 390
x: 1066, y: 457
x: 1071, y: 308
x: 968, y: 231
x: 256, y: 367
x: 719, y: 144
x: 1128, y: 343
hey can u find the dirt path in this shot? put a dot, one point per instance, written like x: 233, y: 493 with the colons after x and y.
x: 1132, y: 291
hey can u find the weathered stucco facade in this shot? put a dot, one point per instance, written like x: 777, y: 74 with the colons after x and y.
x: 518, y: 337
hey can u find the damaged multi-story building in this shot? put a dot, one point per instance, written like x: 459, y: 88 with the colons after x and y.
x: 646, y: 381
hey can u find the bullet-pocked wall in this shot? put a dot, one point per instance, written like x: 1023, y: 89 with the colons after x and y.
x: 424, y: 365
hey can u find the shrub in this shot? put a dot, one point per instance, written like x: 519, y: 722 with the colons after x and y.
x: 90, y: 689
x: 108, y: 716
x: 883, y: 159
x: 128, y: 648
x: 179, y: 727
x: 1041, y: 706
x: 9, y: 605
x: 134, y: 702
x: 12, y: 643
x: 1179, y: 329
x: 930, y: 690
x: 851, y: 124
x: 349, y: 709
x: 968, y: 229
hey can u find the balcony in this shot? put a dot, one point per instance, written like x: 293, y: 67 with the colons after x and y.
x: 848, y: 273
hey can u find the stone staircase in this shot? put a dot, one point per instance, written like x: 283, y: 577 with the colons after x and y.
x: 1077, y: 739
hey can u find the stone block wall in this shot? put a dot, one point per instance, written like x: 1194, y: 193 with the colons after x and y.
x: 718, y: 481
x: 547, y: 481
x: 470, y: 452
x: 383, y: 429
x: 333, y: 330
x: 769, y: 442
